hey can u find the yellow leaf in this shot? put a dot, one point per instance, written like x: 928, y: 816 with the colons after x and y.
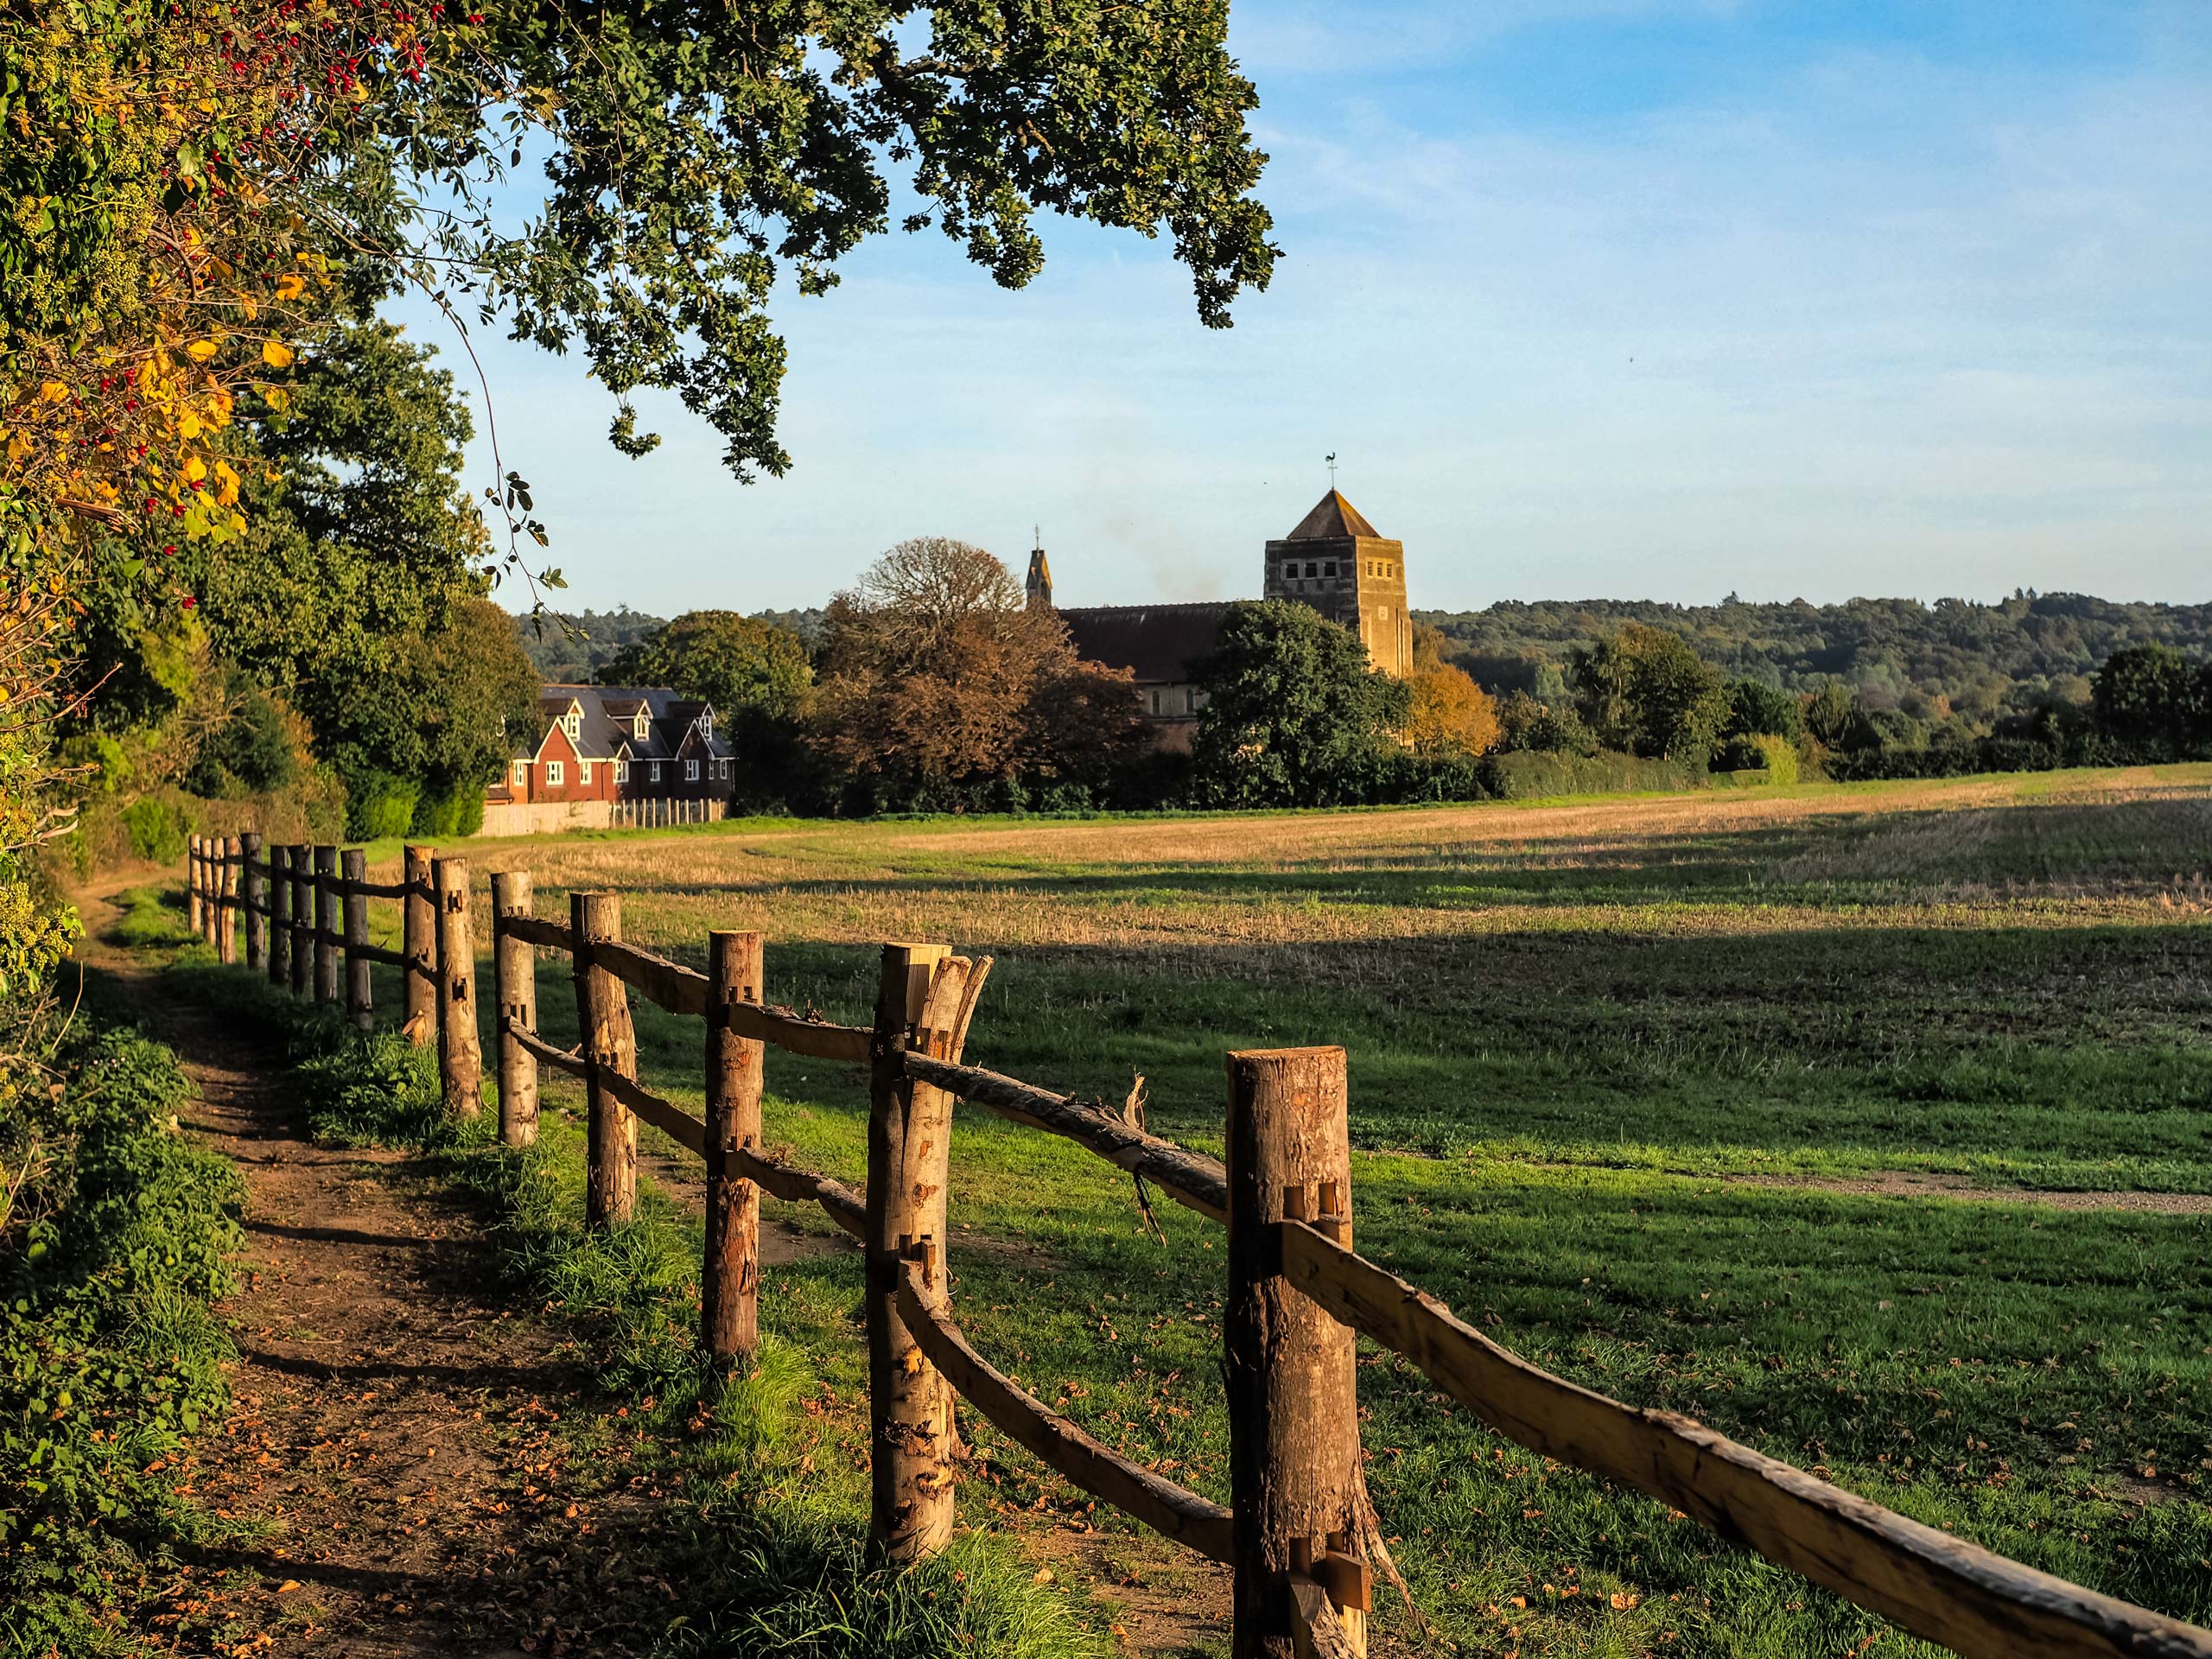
x: 246, y: 305
x: 276, y: 398
x: 195, y: 470
x: 188, y: 424
x: 276, y: 356
x: 226, y: 484
x: 238, y: 523
x: 201, y: 350
x: 291, y: 285
x: 287, y: 1586
x: 53, y: 391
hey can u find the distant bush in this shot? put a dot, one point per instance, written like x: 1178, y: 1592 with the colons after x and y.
x: 379, y: 805
x: 157, y: 829
x: 1781, y: 756
x: 1525, y: 776
x: 448, y: 816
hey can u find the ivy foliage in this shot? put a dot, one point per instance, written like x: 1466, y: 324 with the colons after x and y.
x: 112, y: 1248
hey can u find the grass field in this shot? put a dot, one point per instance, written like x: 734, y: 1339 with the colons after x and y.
x: 1868, y: 1124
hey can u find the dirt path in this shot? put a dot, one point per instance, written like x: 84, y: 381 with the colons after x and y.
x: 389, y: 1482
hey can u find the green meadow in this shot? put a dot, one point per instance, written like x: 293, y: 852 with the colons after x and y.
x: 1868, y: 1124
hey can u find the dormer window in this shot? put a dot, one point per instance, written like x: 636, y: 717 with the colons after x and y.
x: 573, y: 724
x: 707, y: 723
x: 638, y: 726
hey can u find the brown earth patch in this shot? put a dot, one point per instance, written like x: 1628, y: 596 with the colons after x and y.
x: 1907, y: 1184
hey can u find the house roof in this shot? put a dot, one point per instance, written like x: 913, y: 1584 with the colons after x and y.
x: 1158, y: 642
x: 609, y: 720
x: 1332, y: 517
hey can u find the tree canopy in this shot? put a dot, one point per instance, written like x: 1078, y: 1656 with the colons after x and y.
x: 1644, y: 691
x: 745, y: 667
x: 1294, y: 716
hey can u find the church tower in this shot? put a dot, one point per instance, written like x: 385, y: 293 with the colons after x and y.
x: 1335, y: 562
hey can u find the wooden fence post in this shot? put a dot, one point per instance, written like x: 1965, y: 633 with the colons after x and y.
x: 918, y: 1005
x: 303, y: 919
x: 355, y: 864
x: 192, y: 882
x: 326, y: 924
x: 729, y: 1302
x: 227, y: 898
x: 608, y: 1044
x: 256, y: 900
x: 280, y: 916
x: 419, y: 944
x: 460, y: 1056
x: 1295, y: 1477
x: 514, y: 971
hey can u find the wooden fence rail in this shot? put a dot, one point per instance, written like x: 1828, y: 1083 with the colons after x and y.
x: 1294, y: 1535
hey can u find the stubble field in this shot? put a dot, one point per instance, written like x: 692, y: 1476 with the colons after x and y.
x: 1868, y: 1124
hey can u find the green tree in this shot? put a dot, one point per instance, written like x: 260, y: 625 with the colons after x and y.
x: 746, y: 668
x: 1294, y: 716
x: 2155, y: 697
x: 1757, y: 709
x: 1646, y: 691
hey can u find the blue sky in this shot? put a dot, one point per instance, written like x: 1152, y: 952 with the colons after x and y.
x: 1626, y: 298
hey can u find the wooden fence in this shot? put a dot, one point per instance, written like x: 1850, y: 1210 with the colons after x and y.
x: 1297, y: 1535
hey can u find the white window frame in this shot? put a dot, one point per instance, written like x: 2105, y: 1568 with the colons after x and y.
x: 638, y: 726
x: 656, y: 772
x: 690, y: 772
x: 556, y: 772
x: 583, y: 772
x: 621, y: 772
x: 520, y: 776
x: 573, y: 724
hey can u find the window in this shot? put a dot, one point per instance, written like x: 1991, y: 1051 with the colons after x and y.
x: 521, y: 773
x: 1290, y: 571
x: 1312, y: 569
x: 725, y: 765
x: 707, y: 723
x: 573, y: 724
x: 638, y: 726
x: 555, y: 772
x: 621, y: 772
x: 690, y: 772
x: 583, y: 772
x: 656, y: 772
x: 1330, y: 568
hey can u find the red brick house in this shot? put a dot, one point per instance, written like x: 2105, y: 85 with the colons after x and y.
x: 615, y: 744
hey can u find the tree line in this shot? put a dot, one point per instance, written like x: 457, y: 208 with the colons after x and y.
x: 930, y: 685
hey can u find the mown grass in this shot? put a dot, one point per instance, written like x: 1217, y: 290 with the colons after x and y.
x: 1579, y: 1035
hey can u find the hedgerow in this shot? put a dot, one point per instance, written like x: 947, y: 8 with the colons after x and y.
x: 114, y: 1242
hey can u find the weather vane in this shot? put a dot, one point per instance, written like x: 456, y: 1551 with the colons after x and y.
x: 1332, y: 460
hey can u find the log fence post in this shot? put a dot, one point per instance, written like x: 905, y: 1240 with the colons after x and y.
x: 226, y: 899
x: 302, y: 920
x: 728, y: 1304
x: 1296, y: 1488
x: 918, y: 1005
x: 192, y: 882
x: 326, y: 924
x: 514, y: 970
x: 419, y: 944
x: 280, y: 916
x: 461, y: 1058
x: 355, y: 863
x: 257, y: 901
x: 607, y: 1043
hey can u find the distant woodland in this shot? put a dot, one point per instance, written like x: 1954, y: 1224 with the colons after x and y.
x: 1956, y: 656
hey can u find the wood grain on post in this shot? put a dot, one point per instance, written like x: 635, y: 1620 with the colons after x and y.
x: 909, y: 1145
x: 227, y: 909
x: 1294, y: 1400
x: 608, y: 1044
x: 326, y: 924
x: 514, y: 974
x: 356, y: 866
x: 461, y: 1058
x: 302, y: 920
x: 256, y: 893
x: 728, y: 1305
x: 419, y: 944
x: 280, y: 916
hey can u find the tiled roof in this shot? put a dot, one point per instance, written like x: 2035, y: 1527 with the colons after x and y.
x: 610, y: 715
x: 1158, y: 642
x: 1332, y: 517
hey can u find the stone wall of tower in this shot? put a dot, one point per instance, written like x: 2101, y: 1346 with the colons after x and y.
x: 1357, y: 581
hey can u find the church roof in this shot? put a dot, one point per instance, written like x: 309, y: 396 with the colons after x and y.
x: 1332, y: 516
x: 1155, y: 643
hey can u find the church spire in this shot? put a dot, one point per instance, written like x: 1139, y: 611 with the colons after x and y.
x: 1040, y: 583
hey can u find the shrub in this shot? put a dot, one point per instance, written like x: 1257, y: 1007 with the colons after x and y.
x: 379, y: 806
x: 157, y: 830
x: 448, y: 815
x: 1528, y: 776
